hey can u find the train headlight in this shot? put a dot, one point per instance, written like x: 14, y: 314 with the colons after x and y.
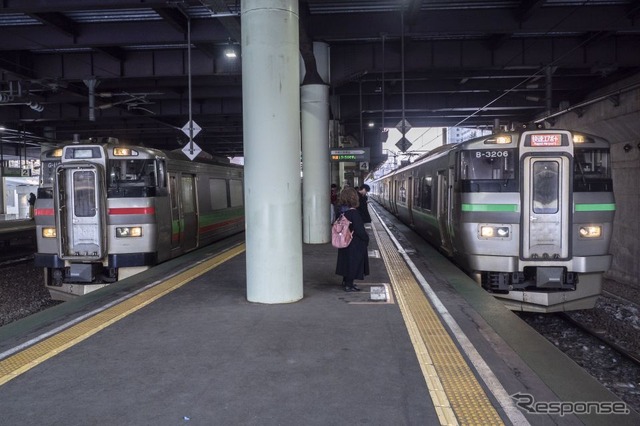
x: 498, y: 139
x: 590, y: 231
x: 129, y: 231
x: 501, y: 232
x: 124, y: 152
x: 49, y: 233
x: 487, y: 231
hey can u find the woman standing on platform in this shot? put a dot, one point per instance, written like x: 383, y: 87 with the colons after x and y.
x: 353, y: 260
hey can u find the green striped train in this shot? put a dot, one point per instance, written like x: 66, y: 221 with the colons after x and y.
x: 527, y: 214
x: 106, y: 211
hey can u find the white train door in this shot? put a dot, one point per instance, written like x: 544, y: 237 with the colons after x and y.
x: 546, y: 208
x: 79, y: 193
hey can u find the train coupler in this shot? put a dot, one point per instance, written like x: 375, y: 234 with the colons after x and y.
x: 501, y: 282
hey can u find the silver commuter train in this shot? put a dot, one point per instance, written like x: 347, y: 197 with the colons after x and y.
x: 107, y: 211
x: 528, y: 214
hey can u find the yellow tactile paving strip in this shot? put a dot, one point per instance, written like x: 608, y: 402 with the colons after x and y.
x: 457, y: 396
x: 20, y: 362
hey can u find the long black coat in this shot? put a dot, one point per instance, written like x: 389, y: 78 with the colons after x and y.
x: 353, y: 260
x: 363, y: 208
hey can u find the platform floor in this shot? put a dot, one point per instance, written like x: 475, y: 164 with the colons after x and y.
x: 187, y: 348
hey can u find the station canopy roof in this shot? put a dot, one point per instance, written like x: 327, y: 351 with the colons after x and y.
x: 435, y: 62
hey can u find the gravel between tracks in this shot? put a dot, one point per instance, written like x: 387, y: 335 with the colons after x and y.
x: 22, y: 292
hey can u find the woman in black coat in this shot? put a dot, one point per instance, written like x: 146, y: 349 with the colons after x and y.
x: 353, y: 260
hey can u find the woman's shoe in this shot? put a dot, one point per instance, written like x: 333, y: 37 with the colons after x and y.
x: 355, y: 288
x: 349, y: 289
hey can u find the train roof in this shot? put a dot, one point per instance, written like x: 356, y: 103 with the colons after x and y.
x: 146, y: 152
x: 480, y: 143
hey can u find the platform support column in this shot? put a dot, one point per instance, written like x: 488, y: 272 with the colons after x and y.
x: 316, y: 187
x: 271, y: 115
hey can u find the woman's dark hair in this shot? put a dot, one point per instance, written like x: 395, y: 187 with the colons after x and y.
x: 348, y: 197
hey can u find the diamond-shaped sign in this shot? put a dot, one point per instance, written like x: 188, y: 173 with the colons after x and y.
x: 191, y: 150
x: 191, y: 126
x: 403, y: 144
x: 403, y: 126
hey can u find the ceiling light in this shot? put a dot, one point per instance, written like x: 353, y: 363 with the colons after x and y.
x: 230, y: 50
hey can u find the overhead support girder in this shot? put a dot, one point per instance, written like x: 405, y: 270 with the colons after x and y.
x: 57, y: 21
x: 513, y: 54
x: 436, y: 23
x: 135, y: 64
x: 125, y: 34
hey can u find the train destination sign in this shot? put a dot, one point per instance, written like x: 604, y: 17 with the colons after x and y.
x: 547, y: 139
x: 353, y: 155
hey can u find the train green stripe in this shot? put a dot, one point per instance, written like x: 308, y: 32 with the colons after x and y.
x: 489, y: 207
x: 609, y: 207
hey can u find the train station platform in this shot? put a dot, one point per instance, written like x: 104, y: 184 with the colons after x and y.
x: 180, y: 344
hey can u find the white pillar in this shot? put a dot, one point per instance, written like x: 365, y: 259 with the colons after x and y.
x: 316, y: 187
x: 271, y: 115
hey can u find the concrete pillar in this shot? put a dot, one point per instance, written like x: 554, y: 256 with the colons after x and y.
x: 316, y: 206
x: 322, y: 53
x: 271, y: 113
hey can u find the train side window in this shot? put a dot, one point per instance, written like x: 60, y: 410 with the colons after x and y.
x: 235, y: 193
x: 218, y: 194
x: 417, y: 183
x: 161, y: 174
x: 173, y: 187
x: 188, y: 202
x: 426, y: 193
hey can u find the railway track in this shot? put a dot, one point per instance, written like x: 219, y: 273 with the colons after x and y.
x: 20, y: 258
x: 601, y: 335
x: 607, y: 360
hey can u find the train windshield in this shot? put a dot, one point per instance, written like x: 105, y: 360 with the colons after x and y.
x: 134, y: 178
x: 47, y: 173
x: 592, y: 170
x: 489, y: 170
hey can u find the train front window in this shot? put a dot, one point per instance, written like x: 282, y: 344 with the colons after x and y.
x: 133, y: 178
x: 546, y: 181
x: 47, y: 172
x: 84, y: 200
x: 489, y: 170
x: 592, y: 170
